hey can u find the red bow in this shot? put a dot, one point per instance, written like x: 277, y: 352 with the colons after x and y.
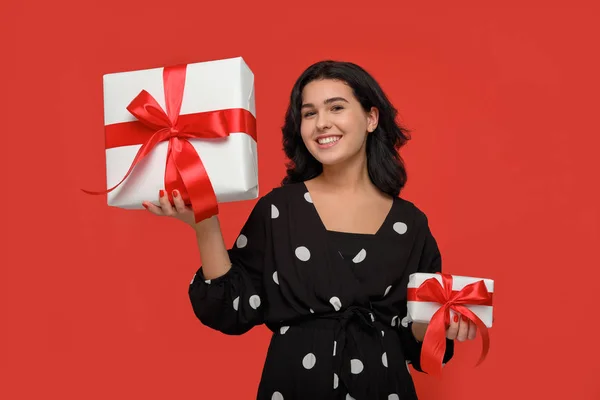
x: 434, y: 343
x: 185, y: 171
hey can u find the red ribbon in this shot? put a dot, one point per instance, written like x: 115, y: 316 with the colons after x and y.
x: 434, y: 343
x: 184, y: 171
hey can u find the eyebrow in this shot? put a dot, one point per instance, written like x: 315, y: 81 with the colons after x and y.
x: 327, y: 101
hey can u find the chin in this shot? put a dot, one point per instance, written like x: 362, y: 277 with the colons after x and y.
x: 331, y: 159
x: 336, y: 156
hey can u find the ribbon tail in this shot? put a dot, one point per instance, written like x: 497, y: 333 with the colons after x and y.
x: 485, y: 336
x: 142, y: 152
x: 195, y: 180
x: 434, y: 343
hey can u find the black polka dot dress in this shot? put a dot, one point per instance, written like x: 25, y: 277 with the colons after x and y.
x: 336, y: 302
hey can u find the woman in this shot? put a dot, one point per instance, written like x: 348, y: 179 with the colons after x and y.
x: 324, y: 259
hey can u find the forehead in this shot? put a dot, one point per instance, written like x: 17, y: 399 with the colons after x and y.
x: 320, y: 90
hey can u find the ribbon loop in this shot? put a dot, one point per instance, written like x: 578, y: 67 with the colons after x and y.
x: 147, y: 111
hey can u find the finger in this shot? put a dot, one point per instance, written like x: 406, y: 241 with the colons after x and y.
x: 179, y: 203
x: 463, y: 329
x: 165, y: 204
x: 152, y: 208
x: 472, y: 330
x: 454, y: 323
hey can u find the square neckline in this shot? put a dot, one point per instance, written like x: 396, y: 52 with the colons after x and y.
x: 358, y: 234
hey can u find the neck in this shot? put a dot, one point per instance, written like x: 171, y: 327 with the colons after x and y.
x: 349, y: 177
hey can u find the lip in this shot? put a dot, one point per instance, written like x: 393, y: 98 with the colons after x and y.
x: 327, y: 145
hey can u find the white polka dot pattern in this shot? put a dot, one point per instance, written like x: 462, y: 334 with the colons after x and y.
x: 400, y: 227
x: 277, y: 396
x: 360, y: 257
x: 405, y: 321
x: 309, y: 361
x: 336, y: 303
x: 356, y: 366
x: 274, y: 212
x: 241, y: 241
x: 254, y: 301
x: 387, y: 290
x: 302, y: 253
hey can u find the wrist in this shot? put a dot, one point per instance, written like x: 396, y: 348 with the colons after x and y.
x: 206, y: 226
x: 418, y: 330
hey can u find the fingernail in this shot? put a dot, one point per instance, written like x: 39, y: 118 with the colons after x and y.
x: 145, y: 205
x: 161, y: 193
x: 175, y: 193
x: 465, y: 319
x: 455, y: 318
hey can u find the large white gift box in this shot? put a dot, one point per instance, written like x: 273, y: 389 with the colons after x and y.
x: 230, y: 162
x: 422, y: 311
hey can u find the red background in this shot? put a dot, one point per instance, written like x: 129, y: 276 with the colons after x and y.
x: 503, y: 103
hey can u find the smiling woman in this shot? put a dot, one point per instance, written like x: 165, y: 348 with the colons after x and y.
x: 342, y: 100
x: 332, y: 117
x: 324, y: 259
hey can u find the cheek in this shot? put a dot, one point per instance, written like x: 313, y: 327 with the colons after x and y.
x: 306, y: 133
x: 354, y: 127
x: 351, y: 124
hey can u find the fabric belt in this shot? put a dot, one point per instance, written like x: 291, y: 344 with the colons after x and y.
x: 350, y: 324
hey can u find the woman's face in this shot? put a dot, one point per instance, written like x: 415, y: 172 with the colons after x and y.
x: 334, y: 125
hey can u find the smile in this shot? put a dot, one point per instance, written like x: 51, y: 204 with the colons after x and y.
x: 328, y: 141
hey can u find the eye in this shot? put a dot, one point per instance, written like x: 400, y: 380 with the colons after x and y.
x: 337, y: 107
x: 308, y: 114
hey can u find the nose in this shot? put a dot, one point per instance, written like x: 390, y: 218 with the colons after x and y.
x: 323, y: 121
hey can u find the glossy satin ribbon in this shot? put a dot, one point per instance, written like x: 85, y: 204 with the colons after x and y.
x: 434, y: 343
x: 184, y: 171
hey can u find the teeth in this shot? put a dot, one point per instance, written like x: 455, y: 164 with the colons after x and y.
x: 330, y: 139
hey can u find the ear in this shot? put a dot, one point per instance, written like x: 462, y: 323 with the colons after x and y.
x: 372, y: 119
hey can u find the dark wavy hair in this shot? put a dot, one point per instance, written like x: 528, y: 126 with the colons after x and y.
x: 384, y: 163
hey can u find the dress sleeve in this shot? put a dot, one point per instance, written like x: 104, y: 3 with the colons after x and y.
x: 429, y: 262
x: 233, y: 302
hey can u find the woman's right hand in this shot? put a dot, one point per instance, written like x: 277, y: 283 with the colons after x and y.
x: 215, y: 258
x: 180, y: 211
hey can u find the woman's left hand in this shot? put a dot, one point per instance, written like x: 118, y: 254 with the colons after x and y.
x: 461, y: 328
